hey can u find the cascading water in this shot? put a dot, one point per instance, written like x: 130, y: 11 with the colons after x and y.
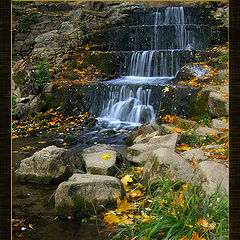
x: 159, y: 46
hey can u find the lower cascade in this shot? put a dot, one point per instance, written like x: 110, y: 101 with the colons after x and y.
x: 128, y: 106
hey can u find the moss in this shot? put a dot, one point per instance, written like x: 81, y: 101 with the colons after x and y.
x: 199, y: 106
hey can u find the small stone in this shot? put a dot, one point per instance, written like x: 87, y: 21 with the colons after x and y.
x: 218, y: 124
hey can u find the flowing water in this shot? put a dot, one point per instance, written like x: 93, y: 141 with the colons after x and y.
x: 154, y: 61
x: 157, y: 46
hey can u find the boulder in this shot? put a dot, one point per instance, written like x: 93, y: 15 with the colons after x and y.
x: 218, y: 105
x: 194, y: 155
x: 145, y: 138
x: 37, y: 105
x: 167, y: 128
x: 102, y: 147
x: 101, y: 163
x: 203, y: 131
x: 50, y: 165
x: 184, y: 123
x: 138, y: 153
x: 21, y: 110
x: 165, y: 161
x: 145, y: 129
x: 209, y: 175
x: 218, y: 124
x: 85, y: 194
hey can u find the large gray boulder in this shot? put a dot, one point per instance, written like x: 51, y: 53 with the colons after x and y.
x: 85, y: 194
x: 138, y: 153
x: 50, y: 165
x: 209, y: 175
x: 194, y: 155
x: 165, y: 161
x: 218, y: 105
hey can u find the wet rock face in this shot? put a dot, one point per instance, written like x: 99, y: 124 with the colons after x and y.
x: 50, y: 165
x: 85, y: 194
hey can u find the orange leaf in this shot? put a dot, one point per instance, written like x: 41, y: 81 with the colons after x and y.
x: 136, y: 193
x: 123, y: 205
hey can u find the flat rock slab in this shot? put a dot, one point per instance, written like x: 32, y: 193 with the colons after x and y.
x: 167, y: 128
x: 101, y: 163
x: 209, y: 175
x: 50, y: 165
x: 85, y: 194
x: 138, y: 153
x: 165, y: 161
x: 102, y: 147
x: 184, y: 123
x: 144, y: 138
x: 203, y: 131
x: 194, y: 155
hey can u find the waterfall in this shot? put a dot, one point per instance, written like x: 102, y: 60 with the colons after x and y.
x: 159, y: 48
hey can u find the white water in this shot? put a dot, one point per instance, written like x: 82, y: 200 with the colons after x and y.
x: 128, y: 108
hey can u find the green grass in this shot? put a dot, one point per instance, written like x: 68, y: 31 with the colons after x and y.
x: 176, y: 212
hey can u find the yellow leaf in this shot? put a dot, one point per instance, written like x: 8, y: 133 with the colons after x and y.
x: 145, y: 218
x: 195, y: 236
x: 52, y: 123
x: 156, y: 137
x: 111, y: 218
x: 166, y: 89
x: 105, y: 157
x: 126, y: 179
x: 123, y: 205
x: 136, y: 193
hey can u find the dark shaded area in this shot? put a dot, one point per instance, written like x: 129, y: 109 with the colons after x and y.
x: 234, y: 151
x: 5, y: 129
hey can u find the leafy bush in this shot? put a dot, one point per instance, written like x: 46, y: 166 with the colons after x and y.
x: 176, y: 211
x: 41, y: 72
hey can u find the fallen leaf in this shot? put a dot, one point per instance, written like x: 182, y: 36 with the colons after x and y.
x: 126, y: 179
x: 106, y: 156
x: 123, y: 205
x: 136, y: 193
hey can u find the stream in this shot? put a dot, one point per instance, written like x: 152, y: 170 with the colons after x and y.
x: 120, y: 105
